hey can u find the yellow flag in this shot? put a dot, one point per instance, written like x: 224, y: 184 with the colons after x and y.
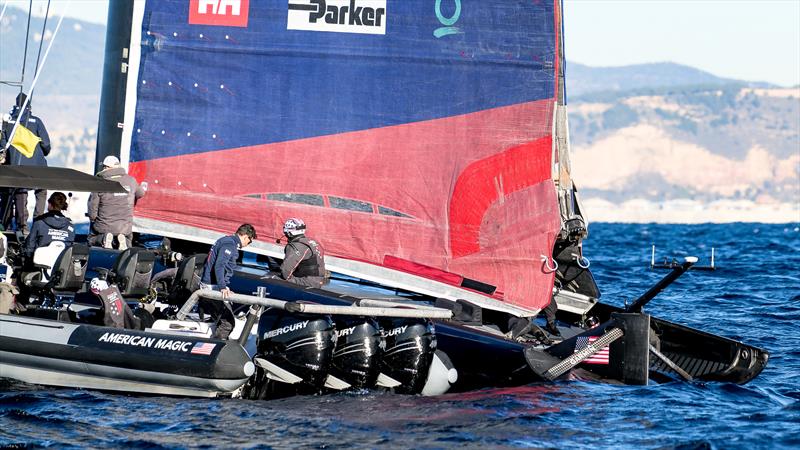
x: 25, y: 141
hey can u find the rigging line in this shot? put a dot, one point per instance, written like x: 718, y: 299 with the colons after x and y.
x: 41, y: 42
x: 21, y: 112
x: 27, y: 38
x: 3, y: 12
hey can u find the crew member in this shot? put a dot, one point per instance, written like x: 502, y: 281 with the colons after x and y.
x: 304, y: 259
x: 15, y: 157
x: 53, y: 226
x: 550, y: 316
x: 217, y: 275
x: 111, y: 213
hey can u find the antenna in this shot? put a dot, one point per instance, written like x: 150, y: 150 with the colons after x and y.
x: 653, y: 256
x: 674, y: 263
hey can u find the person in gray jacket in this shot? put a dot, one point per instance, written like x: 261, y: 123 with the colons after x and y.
x: 111, y: 214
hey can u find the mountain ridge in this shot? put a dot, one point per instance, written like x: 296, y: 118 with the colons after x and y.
x: 584, y: 80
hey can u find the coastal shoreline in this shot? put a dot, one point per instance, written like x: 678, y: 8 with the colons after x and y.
x: 690, y: 212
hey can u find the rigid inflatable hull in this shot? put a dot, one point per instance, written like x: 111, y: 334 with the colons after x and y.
x: 48, y: 352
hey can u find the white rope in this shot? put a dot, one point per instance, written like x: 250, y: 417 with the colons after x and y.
x: 582, y: 261
x: 3, y: 12
x: 21, y: 112
x: 546, y: 265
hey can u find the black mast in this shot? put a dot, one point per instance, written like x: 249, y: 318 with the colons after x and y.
x: 115, y: 78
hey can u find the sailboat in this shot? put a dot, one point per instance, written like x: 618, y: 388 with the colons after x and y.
x: 425, y: 144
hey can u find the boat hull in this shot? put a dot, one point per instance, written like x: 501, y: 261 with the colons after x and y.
x: 53, y: 353
x: 704, y: 356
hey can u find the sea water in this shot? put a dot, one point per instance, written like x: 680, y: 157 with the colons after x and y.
x: 754, y: 296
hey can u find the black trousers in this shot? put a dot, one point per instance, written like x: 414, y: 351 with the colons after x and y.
x: 221, y: 314
x: 550, y: 312
x: 7, y: 206
x: 21, y: 206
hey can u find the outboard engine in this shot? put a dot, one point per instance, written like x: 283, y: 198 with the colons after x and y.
x: 410, y: 345
x: 442, y: 375
x: 355, y: 364
x: 293, y: 355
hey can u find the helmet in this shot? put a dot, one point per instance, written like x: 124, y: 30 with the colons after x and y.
x: 294, y: 227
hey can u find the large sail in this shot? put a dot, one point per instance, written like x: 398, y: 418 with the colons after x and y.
x: 414, y: 138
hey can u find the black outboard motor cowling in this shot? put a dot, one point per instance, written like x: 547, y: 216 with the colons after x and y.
x: 410, y: 344
x: 293, y: 355
x: 358, y: 347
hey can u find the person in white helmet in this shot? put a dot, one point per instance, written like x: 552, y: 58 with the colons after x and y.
x: 304, y: 259
x: 111, y: 213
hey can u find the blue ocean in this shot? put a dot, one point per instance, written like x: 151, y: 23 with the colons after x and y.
x: 754, y: 296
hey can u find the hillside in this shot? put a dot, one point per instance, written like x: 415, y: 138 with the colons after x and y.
x: 693, y: 154
x: 75, y: 63
x: 651, y: 142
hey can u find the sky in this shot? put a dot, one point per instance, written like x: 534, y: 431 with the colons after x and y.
x: 95, y: 11
x: 752, y: 40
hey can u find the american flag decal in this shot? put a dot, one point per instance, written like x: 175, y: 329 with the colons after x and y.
x: 203, y: 348
x: 600, y: 357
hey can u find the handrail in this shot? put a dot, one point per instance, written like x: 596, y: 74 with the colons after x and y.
x: 311, y: 308
x: 390, y: 304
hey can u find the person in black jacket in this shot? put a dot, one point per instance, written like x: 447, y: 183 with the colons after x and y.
x: 53, y: 226
x: 16, y: 158
x: 217, y: 275
x: 304, y: 260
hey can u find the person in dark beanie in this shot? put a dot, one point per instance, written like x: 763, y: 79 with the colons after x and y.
x: 15, y: 157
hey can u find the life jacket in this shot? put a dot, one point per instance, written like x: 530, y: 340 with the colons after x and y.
x: 314, y: 266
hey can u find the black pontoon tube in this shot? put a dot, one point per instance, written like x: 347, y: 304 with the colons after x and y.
x: 645, y: 298
x: 310, y: 308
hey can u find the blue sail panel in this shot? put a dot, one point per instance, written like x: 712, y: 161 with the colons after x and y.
x: 264, y: 83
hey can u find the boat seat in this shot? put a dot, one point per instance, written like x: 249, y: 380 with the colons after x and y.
x: 187, y: 279
x: 132, y: 272
x: 68, y: 270
x: 45, y: 257
x: 6, y: 271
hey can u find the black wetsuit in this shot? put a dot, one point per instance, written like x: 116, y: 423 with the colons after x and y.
x: 303, y: 262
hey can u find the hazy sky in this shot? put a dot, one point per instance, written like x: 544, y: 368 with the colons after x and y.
x: 755, y: 40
